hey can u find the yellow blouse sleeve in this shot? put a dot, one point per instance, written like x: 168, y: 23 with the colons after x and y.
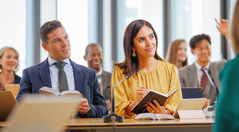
x: 174, y: 100
x: 121, y: 97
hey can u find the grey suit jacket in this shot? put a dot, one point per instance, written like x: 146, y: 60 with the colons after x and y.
x: 106, y: 82
x: 188, y: 78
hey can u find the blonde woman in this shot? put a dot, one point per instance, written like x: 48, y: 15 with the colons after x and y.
x: 9, y: 62
x: 177, y: 53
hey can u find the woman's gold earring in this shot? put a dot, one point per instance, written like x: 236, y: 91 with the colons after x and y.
x: 134, y: 53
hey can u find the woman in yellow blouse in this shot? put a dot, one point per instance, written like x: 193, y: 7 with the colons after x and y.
x: 146, y: 68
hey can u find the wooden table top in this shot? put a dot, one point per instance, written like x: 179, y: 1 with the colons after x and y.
x: 97, y: 123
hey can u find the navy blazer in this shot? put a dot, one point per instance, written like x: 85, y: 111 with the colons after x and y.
x: 17, y: 79
x: 86, y: 82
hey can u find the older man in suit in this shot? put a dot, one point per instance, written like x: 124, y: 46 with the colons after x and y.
x: 93, y: 56
x: 61, y: 73
x: 195, y: 75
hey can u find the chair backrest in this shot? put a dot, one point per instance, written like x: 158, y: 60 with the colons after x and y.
x: 192, y: 92
x: 42, y: 113
x: 7, y: 102
x: 190, y: 104
x: 14, y: 88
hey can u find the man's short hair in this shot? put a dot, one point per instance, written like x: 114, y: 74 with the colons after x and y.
x: 47, y: 28
x: 91, y: 45
x: 198, y: 38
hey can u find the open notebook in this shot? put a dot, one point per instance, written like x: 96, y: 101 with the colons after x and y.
x: 42, y: 113
x: 141, y: 106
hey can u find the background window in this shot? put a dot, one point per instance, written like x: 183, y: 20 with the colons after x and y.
x: 104, y: 22
x: 192, y: 17
x: 74, y: 16
x: 129, y: 10
x: 13, y: 27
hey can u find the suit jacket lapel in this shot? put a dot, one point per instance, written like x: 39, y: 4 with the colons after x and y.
x: 45, y: 73
x: 212, y: 73
x: 78, y: 77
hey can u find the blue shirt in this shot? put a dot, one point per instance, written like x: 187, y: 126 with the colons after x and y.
x: 54, y: 74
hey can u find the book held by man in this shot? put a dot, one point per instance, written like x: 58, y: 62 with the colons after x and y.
x: 51, y: 91
x: 140, y: 107
x: 154, y: 116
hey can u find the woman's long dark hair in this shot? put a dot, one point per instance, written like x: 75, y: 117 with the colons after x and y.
x: 130, y: 64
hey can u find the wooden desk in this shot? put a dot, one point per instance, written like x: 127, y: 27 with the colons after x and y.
x: 187, y: 125
x: 96, y: 124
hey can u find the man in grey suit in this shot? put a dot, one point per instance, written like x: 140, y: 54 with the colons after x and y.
x: 93, y: 56
x: 194, y: 76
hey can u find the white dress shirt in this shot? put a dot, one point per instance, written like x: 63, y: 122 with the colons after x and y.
x: 54, y: 74
x: 199, y: 71
x: 99, y: 75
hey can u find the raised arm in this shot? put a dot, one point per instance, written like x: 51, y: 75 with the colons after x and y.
x: 223, y: 27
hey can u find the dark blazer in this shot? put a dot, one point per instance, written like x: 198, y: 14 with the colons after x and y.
x: 17, y: 79
x: 188, y: 78
x: 106, y: 81
x: 86, y: 83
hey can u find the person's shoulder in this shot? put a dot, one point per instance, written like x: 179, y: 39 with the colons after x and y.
x: 220, y: 62
x: 185, y: 68
x: 232, y: 64
x: 32, y: 70
x: 106, y: 73
x: 118, y: 70
x: 35, y: 67
x: 165, y: 64
x: 167, y: 67
x: 231, y: 68
x: 81, y: 67
x: 183, y: 71
x: 17, y: 79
